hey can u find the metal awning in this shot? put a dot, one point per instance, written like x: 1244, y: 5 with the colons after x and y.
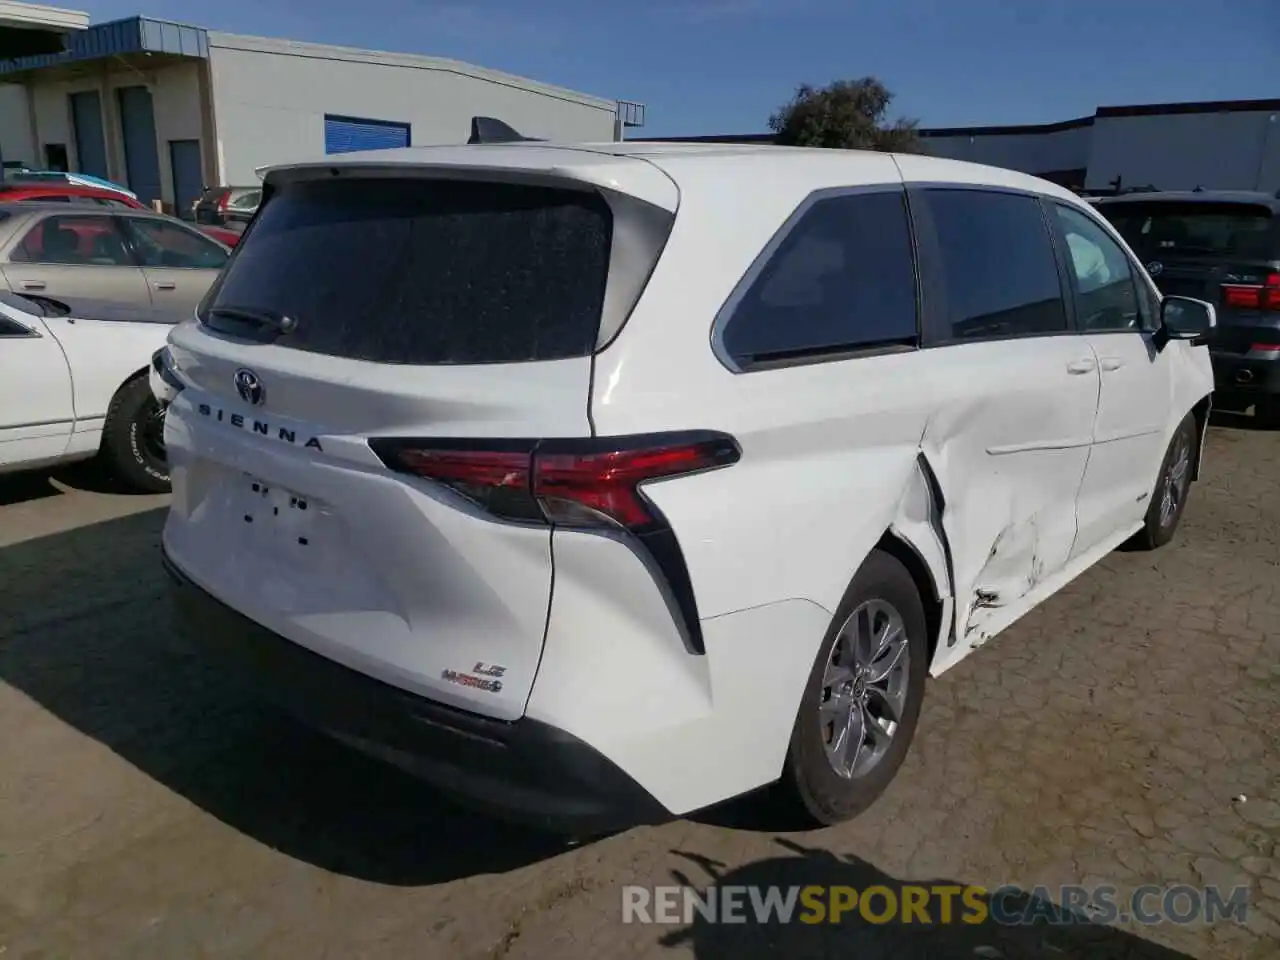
x: 30, y: 29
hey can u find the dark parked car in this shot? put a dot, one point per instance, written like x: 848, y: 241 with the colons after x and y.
x: 226, y: 206
x: 1223, y: 247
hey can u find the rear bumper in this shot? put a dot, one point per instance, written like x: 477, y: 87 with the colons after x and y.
x: 523, y: 770
x: 1240, y: 380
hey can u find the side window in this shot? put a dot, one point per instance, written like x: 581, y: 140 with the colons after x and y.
x: 998, y: 271
x: 11, y: 328
x: 75, y: 241
x: 163, y: 244
x: 1105, y: 288
x: 842, y: 279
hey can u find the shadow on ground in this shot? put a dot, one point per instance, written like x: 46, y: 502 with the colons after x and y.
x: 1047, y: 932
x: 38, y: 484
x: 85, y: 632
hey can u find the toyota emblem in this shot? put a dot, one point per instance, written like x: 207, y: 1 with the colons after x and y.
x: 249, y: 387
x: 1155, y: 268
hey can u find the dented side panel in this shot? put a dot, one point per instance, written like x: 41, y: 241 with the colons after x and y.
x: 1010, y: 459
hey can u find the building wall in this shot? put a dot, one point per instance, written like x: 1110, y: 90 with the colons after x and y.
x: 1027, y: 152
x: 16, y: 142
x: 1221, y: 151
x: 175, y: 97
x: 270, y: 98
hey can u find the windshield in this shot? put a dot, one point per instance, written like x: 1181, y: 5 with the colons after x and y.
x: 1195, y: 229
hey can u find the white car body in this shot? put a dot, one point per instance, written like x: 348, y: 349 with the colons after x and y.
x: 1005, y: 467
x: 58, y: 375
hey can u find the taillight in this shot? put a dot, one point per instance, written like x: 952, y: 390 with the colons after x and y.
x: 1271, y: 348
x: 1265, y: 296
x: 224, y: 201
x: 497, y: 480
x: 577, y: 485
x: 584, y: 483
x: 588, y: 482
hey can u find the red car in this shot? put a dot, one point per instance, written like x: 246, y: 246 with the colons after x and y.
x: 74, y: 193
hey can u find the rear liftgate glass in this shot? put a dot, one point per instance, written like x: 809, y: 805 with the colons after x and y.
x: 589, y: 484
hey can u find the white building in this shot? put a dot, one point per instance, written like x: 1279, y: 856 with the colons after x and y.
x: 167, y: 108
x: 1221, y: 145
x: 1218, y: 145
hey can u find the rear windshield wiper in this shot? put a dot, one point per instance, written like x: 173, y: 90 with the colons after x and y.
x: 261, y: 318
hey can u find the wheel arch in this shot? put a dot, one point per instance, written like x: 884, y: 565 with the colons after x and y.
x: 916, y: 539
x: 1201, y: 414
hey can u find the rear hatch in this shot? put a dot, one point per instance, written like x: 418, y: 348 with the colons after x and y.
x: 377, y: 305
x: 1224, y: 252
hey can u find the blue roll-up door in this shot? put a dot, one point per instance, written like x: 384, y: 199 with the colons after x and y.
x: 141, y: 158
x: 188, y: 176
x: 349, y: 134
x: 86, y: 121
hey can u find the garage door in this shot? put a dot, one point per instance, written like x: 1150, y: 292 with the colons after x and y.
x: 141, y: 158
x: 348, y: 134
x: 91, y: 147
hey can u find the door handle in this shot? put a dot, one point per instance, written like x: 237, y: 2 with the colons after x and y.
x: 1112, y: 363
x: 1082, y: 366
x: 32, y: 284
x: 166, y: 285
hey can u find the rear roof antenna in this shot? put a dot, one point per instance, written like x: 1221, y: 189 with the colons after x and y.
x: 493, y: 130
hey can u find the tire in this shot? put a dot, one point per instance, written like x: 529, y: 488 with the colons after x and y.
x: 129, y: 445
x: 1160, y: 524
x: 881, y: 588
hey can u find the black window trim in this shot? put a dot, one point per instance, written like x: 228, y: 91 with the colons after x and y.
x: 1136, y: 272
x: 38, y: 221
x: 935, y: 332
x: 832, y: 354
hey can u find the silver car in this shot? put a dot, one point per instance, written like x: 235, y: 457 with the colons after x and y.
x: 130, y: 257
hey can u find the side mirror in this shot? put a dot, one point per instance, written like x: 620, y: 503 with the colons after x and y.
x: 1182, y: 318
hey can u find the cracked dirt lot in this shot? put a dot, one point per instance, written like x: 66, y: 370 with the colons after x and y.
x: 148, y: 810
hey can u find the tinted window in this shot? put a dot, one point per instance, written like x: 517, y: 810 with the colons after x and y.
x: 1107, y: 294
x: 246, y: 201
x: 74, y: 240
x: 161, y: 244
x: 841, y: 279
x: 425, y: 272
x: 998, y: 271
x: 56, y: 198
x: 1193, y: 229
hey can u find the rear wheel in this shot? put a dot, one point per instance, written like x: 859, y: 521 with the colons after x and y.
x: 133, y: 438
x: 1170, y: 496
x: 861, y: 705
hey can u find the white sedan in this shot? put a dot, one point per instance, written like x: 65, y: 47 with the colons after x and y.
x: 74, y: 384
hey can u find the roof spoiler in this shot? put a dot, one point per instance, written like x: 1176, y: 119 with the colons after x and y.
x: 493, y: 130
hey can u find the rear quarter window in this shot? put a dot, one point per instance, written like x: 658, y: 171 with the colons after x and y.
x: 841, y: 279
x: 419, y: 271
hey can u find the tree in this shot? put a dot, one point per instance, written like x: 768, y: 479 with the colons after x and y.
x: 848, y: 114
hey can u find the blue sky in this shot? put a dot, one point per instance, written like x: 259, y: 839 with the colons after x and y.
x: 722, y: 66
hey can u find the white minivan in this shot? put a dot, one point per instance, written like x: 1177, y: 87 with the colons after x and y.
x: 597, y: 484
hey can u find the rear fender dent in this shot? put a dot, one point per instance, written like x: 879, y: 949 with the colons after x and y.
x: 917, y: 524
